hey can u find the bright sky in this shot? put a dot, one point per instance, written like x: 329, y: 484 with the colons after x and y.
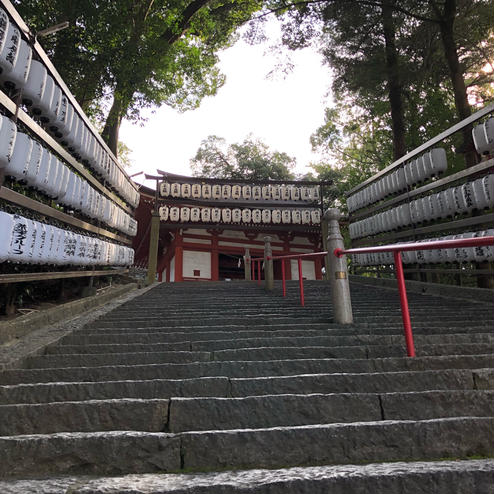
x: 281, y: 111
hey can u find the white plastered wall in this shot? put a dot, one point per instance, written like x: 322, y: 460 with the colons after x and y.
x: 199, y: 261
x: 308, y: 269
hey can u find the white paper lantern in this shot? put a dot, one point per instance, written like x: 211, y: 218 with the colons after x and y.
x: 265, y: 192
x: 226, y: 215
x: 195, y: 214
x: 174, y: 213
x: 226, y: 191
x: 246, y: 215
x: 315, y: 216
x: 165, y: 189
x: 296, y: 217
x: 206, y: 191
x: 206, y: 215
x: 175, y: 190
x: 6, y: 226
x: 10, y: 50
x: 295, y: 193
x: 275, y: 192
x: 216, y: 191
x: 196, y: 191
x: 266, y: 215
x: 276, y: 216
x: 256, y: 192
x: 21, y: 156
x: 164, y: 213
x: 256, y: 216
x: 305, y: 216
x: 236, y: 192
x: 236, y: 215
x: 285, y: 192
x: 286, y: 216
x: 185, y: 190
x: 216, y: 215
x: 246, y: 192
x: 184, y: 215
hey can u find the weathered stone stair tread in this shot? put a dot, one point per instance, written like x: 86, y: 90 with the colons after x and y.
x: 139, y: 452
x: 467, y: 477
x: 84, y: 416
x: 253, y: 412
x: 252, y: 354
x: 241, y: 368
x: 218, y: 344
x: 449, y: 379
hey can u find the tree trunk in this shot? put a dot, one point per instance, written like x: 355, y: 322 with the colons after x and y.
x: 113, y: 121
x: 446, y: 24
x: 394, y: 85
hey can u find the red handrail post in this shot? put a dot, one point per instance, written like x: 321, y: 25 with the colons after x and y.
x: 283, y: 276
x: 301, y: 282
x: 405, y: 313
x: 259, y: 272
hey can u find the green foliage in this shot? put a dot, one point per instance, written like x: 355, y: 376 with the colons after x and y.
x: 119, y: 57
x: 250, y: 160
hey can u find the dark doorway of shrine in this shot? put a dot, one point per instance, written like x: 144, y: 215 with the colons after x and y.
x: 231, y: 266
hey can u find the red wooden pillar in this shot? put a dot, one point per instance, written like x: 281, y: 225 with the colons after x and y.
x: 288, y: 265
x: 318, y: 267
x: 215, y: 268
x: 167, y: 267
x: 179, y: 257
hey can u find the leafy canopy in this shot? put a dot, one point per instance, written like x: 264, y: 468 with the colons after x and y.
x: 251, y: 159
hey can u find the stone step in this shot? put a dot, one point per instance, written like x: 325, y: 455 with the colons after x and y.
x: 84, y: 416
x: 254, y: 412
x: 242, y: 369
x: 120, y: 452
x: 467, y: 477
x: 212, y: 318
x: 222, y: 386
x: 163, y: 335
x: 192, y: 344
x: 251, y: 353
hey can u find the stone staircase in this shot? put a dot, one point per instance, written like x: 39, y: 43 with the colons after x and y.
x: 219, y: 388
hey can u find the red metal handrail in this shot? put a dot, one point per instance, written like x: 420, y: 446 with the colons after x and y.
x: 299, y: 257
x: 397, y: 249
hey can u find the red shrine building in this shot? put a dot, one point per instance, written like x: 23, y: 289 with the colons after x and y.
x: 206, y: 226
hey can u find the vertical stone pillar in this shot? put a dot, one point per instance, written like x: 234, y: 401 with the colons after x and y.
x: 324, y: 233
x: 247, y: 263
x: 268, y: 264
x: 153, y: 246
x: 337, y: 271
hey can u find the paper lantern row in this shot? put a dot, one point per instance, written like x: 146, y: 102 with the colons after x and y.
x: 246, y: 192
x: 246, y: 216
x: 433, y: 256
x: 430, y: 164
x: 26, y: 241
x: 463, y: 199
x: 30, y: 163
x: 45, y: 99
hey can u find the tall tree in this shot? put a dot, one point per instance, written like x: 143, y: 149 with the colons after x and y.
x: 251, y: 159
x: 370, y: 46
x: 119, y: 57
